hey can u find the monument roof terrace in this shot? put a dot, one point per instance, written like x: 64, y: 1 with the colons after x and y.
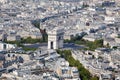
x: 56, y: 31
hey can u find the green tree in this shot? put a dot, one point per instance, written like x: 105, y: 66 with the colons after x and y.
x: 84, y: 73
x: 94, y: 78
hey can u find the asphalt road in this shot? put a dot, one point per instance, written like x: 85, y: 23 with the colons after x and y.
x: 66, y: 45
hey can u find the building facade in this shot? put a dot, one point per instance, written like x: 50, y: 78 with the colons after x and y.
x: 55, y: 38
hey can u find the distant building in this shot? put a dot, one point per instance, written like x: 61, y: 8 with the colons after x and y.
x: 13, y: 37
x: 108, y: 3
x: 100, y: 10
x: 55, y: 38
x: 2, y: 59
x: 68, y: 37
x: 3, y: 1
x: 4, y: 46
x: 111, y: 42
x: 65, y: 72
x: 3, y: 35
x: 105, y: 77
x: 92, y: 37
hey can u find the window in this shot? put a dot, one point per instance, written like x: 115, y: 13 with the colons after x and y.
x: 4, y: 46
x: 64, y: 71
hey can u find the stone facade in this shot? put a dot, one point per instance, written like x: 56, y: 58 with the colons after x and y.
x: 55, y: 38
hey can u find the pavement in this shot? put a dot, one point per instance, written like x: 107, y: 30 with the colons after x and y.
x: 66, y: 45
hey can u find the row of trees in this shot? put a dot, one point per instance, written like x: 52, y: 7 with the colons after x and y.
x: 84, y: 73
x: 90, y: 45
x: 27, y: 40
x: 28, y: 48
x: 23, y: 41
